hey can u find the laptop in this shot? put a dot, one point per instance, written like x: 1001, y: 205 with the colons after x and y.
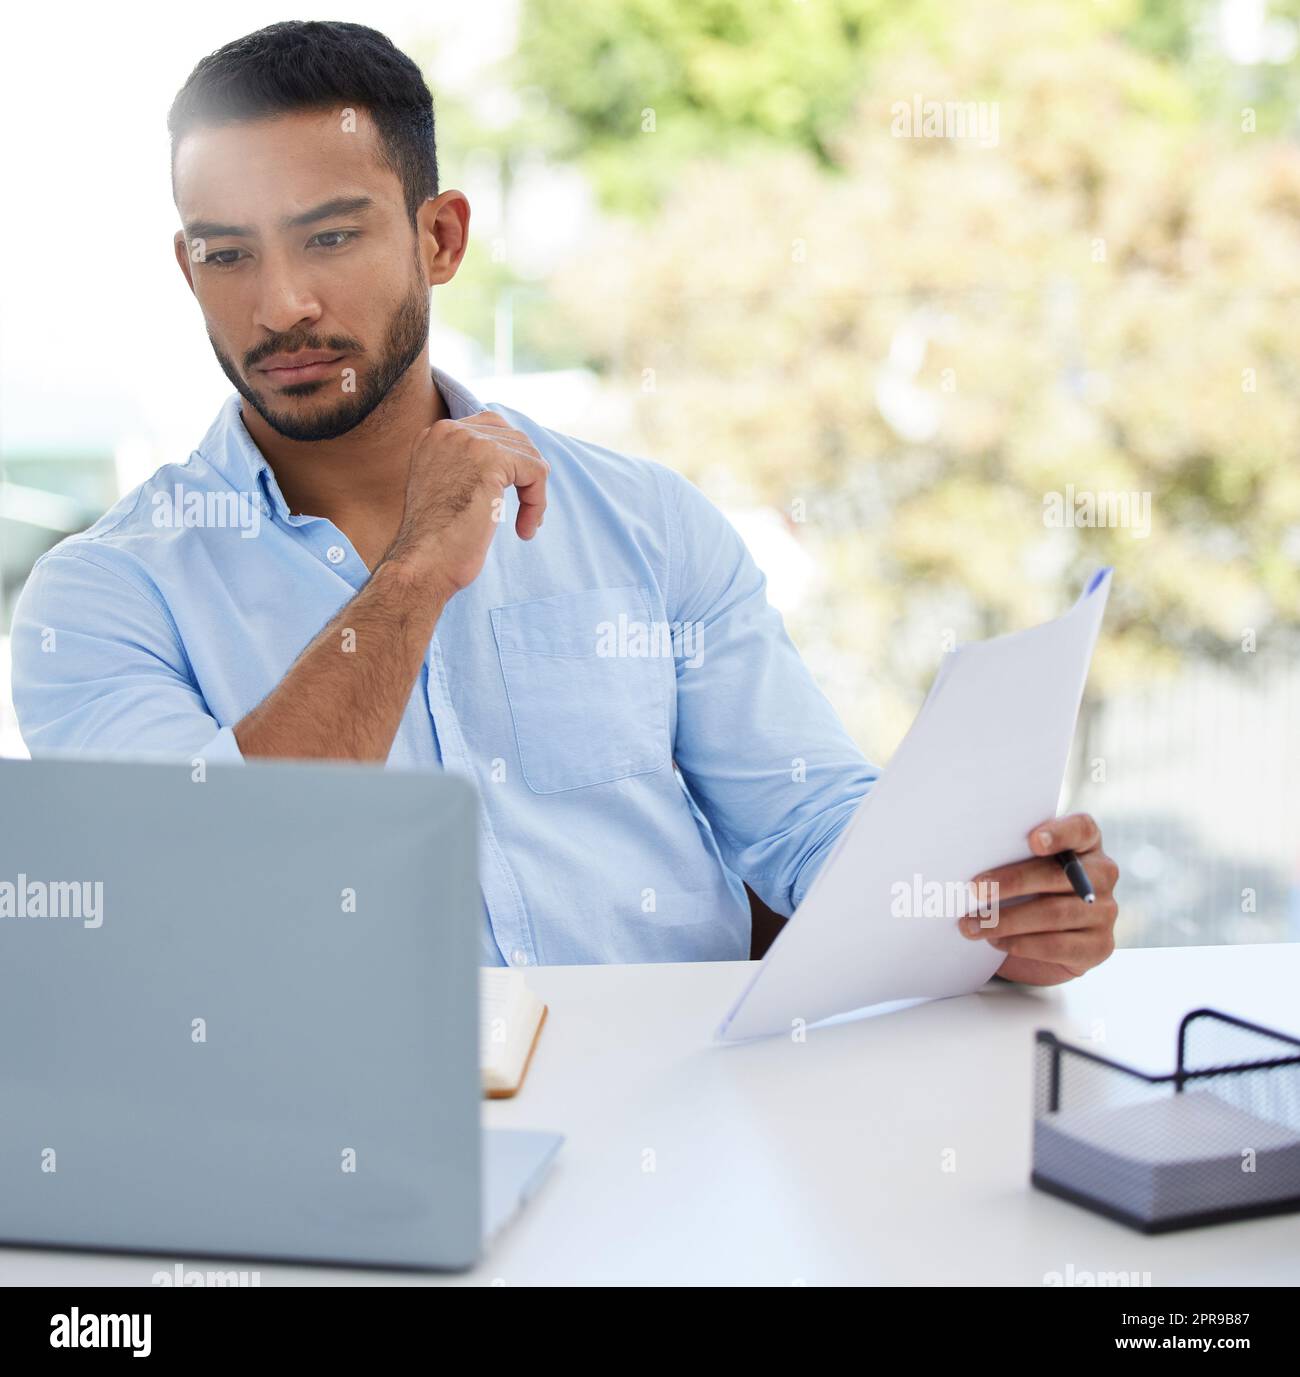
x: 239, y: 1015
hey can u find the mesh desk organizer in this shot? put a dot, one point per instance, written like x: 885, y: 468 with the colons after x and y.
x: 1215, y: 1140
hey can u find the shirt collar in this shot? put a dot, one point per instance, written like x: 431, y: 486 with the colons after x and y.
x: 233, y: 453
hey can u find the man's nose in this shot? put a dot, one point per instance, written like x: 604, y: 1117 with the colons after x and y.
x: 286, y: 298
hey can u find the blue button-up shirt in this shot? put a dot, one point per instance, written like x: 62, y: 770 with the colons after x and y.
x: 641, y: 730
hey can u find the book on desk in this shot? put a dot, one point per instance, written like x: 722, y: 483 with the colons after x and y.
x: 510, y: 1022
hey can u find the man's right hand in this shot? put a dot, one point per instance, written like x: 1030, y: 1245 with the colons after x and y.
x: 344, y: 697
x: 455, y: 497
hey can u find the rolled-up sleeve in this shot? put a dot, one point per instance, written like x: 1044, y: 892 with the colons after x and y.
x: 760, y: 748
x: 98, y: 669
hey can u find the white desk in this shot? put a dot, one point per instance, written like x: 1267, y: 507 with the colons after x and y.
x: 821, y: 1162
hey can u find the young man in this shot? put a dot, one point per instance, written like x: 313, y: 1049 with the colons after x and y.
x: 325, y: 576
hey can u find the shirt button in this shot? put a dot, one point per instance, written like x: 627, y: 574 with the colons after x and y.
x: 517, y: 958
x: 335, y: 554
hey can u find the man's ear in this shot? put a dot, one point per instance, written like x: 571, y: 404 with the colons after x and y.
x: 180, y: 246
x: 442, y: 228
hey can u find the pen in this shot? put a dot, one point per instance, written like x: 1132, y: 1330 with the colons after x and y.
x: 1076, y: 874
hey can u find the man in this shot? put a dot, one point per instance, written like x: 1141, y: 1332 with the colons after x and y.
x: 325, y: 576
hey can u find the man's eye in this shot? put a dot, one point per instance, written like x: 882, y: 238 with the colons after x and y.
x: 337, y: 237
x: 222, y: 258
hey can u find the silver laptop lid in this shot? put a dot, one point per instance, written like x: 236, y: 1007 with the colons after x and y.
x: 238, y: 1014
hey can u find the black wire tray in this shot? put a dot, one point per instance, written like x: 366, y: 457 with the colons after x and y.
x: 1217, y: 1139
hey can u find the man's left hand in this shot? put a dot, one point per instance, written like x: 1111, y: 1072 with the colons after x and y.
x: 1049, y: 934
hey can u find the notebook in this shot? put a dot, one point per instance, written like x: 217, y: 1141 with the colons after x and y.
x: 510, y: 1022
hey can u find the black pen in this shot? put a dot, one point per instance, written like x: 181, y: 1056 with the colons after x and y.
x: 1077, y: 875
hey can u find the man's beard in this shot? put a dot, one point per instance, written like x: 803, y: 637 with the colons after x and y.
x: 408, y: 332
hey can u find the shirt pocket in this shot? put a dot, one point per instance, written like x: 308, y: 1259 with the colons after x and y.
x: 585, y: 710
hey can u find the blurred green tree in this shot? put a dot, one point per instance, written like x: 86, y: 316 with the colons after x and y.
x: 705, y: 77
x: 719, y: 78
x: 909, y: 345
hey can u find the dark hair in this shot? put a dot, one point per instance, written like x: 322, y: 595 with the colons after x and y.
x: 315, y: 65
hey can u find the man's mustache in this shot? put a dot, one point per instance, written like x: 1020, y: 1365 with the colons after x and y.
x: 342, y: 344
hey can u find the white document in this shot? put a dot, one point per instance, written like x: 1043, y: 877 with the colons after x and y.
x: 983, y: 762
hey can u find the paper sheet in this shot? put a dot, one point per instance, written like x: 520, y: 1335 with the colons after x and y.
x: 983, y: 762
